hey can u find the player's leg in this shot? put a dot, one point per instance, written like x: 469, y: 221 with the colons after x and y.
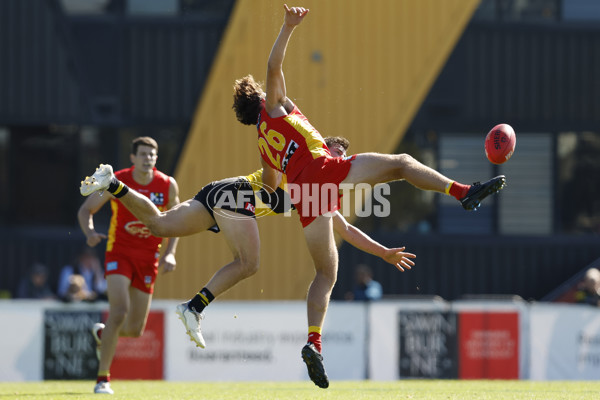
x: 373, y: 168
x: 321, y: 245
x: 241, y: 234
x: 118, y: 301
x: 184, y: 219
x: 139, y: 307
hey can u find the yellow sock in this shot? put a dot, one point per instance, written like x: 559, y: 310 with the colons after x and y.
x: 448, y: 186
x: 314, y: 329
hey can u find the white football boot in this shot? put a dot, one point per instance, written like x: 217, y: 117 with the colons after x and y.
x: 98, y: 326
x: 191, y: 319
x: 99, y: 181
x: 103, y: 388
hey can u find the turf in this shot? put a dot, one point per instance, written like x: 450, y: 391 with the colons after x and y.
x: 404, y: 389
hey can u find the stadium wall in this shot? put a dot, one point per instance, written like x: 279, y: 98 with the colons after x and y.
x: 260, y: 341
x: 347, y: 61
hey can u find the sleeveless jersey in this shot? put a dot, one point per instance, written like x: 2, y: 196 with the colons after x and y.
x: 289, y: 143
x: 126, y: 233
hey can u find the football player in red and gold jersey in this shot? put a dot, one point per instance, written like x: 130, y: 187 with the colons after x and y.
x: 289, y: 144
x: 133, y: 255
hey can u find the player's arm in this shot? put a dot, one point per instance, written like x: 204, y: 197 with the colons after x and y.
x: 270, y: 177
x: 275, y: 85
x: 167, y: 261
x: 85, y: 216
x: 357, y: 238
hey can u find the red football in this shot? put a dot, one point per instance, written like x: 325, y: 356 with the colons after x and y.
x: 500, y: 143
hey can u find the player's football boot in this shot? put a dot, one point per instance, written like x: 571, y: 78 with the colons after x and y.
x: 99, y: 181
x: 191, y: 319
x: 103, y: 388
x: 480, y: 191
x: 314, y: 362
x: 98, y: 326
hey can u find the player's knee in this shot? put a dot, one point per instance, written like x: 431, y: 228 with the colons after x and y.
x: 404, y: 161
x: 118, y: 315
x: 326, y: 277
x: 249, y: 265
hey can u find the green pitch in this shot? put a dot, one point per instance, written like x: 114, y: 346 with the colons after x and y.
x: 404, y: 389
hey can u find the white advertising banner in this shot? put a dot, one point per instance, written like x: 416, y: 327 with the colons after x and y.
x: 428, y: 333
x: 261, y: 341
x: 565, y: 342
x: 21, y: 340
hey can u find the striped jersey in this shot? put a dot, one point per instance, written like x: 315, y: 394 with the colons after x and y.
x: 126, y: 233
x: 289, y: 143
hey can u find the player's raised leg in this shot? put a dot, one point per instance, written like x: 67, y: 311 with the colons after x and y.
x: 183, y: 219
x: 97, y: 329
x: 99, y: 181
x: 373, y: 168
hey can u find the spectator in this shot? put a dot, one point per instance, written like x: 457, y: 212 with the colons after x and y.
x: 366, y: 288
x: 35, y: 284
x: 588, y: 291
x: 88, y: 267
x: 78, y: 290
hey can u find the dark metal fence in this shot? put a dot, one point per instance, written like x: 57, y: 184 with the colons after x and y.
x: 21, y: 247
x: 452, y: 266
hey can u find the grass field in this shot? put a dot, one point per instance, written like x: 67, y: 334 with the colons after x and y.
x: 404, y: 389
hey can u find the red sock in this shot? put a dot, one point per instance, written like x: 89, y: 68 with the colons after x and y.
x: 99, y: 333
x: 458, y: 190
x: 103, y: 378
x: 315, y: 338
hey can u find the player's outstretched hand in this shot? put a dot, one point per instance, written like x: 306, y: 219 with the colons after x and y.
x: 294, y: 15
x: 399, y: 258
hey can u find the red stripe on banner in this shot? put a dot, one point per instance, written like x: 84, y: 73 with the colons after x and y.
x: 488, y: 345
x: 141, y: 358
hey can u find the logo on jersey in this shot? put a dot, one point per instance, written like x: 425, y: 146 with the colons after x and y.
x: 137, y: 229
x: 157, y: 198
x: 288, y: 154
x: 148, y: 281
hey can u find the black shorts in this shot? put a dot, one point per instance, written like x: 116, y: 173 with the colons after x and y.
x: 232, y: 194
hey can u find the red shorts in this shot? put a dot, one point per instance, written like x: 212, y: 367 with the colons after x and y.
x: 142, y: 271
x: 309, y: 191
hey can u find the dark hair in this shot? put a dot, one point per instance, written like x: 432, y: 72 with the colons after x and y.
x: 247, y: 100
x: 143, y: 141
x: 342, y: 141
